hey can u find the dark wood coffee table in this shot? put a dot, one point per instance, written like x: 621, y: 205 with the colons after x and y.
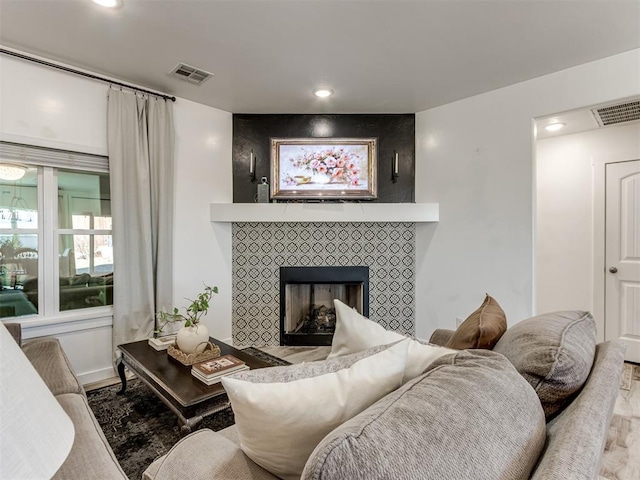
x: 172, y: 382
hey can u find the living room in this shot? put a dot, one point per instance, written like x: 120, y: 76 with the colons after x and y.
x: 489, y: 135
x: 474, y: 157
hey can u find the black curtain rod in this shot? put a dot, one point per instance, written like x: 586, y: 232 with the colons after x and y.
x: 83, y: 74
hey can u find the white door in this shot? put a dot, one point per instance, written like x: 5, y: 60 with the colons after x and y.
x: 622, y: 255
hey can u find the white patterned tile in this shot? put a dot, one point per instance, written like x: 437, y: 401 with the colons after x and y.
x: 260, y: 249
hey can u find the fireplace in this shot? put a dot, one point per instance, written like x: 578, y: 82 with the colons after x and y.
x: 307, y: 314
x: 260, y: 249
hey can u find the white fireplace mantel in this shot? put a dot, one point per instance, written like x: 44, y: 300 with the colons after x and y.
x: 325, y: 212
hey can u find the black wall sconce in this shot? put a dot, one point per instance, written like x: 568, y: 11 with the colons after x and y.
x: 252, y: 166
x: 395, y: 167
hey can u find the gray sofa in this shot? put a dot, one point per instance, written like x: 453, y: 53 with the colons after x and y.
x: 90, y: 456
x: 537, y: 406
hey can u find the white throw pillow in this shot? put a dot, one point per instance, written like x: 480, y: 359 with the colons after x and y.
x: 420, y: 356
x: 355, y: 333
x: 279, y: 424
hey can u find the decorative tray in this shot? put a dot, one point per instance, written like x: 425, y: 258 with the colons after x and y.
x: 209, y: 352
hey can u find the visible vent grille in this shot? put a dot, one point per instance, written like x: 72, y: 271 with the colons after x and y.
x: 190, y: 74
x: 613, y: 114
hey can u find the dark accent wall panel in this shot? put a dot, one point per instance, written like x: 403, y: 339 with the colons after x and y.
x: 394, y: 133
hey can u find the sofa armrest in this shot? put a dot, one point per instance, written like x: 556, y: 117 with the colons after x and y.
x: 205, y: 454
x: 15, y: 329
x: 48, y: 358
x: 576, y: 438
x: 441, y: 336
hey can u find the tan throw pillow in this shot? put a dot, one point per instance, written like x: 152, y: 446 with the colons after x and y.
x: 482, y: 329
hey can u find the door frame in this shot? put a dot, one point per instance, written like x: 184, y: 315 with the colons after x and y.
x: 599, y: 163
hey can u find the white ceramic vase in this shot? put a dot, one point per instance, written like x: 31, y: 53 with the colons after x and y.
x: 192, y: 339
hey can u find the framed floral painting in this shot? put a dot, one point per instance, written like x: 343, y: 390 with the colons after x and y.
x: 323, y: 168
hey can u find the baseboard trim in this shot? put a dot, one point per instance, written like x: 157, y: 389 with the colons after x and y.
x: 97, y: 375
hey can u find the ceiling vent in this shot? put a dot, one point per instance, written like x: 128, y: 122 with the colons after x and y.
x: 190, y: 74
x: 614, y: 114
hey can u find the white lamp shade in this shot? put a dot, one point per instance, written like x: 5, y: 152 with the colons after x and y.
x: 36, y: 434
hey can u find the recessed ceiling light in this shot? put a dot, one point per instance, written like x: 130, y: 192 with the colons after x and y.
x: 554, y: 127
x: 108, y: 3
x: 323, y: 92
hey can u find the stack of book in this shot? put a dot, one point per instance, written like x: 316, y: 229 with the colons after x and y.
x: 162, y: 343
x: 211, y: 371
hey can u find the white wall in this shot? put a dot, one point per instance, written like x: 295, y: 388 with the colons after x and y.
x: 473, y: 157
x: 564, y: 218
x: 45, y: 107
x: 202, y: 250
x: 476, y: 158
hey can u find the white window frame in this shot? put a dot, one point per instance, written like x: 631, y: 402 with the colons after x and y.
x: 48, y: 162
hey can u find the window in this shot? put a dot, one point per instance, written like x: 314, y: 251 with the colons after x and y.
x: 20, y: 238
x: 56, y: 246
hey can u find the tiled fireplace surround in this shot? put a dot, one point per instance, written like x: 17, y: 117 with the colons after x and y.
x: 260, y: 249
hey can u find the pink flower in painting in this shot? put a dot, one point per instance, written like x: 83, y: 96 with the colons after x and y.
x: 333, y: 163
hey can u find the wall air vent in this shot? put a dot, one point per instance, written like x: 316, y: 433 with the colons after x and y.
x: 190, y: 74
x: 614, y: 114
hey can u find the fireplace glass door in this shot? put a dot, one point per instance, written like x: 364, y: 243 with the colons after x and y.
x: 307, y: 313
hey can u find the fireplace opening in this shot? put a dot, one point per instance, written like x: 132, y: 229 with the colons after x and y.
x: 307, y: 313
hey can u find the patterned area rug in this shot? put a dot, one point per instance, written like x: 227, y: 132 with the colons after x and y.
x: 627, y: 376
x: 621, y: 460
x: 140, y: 428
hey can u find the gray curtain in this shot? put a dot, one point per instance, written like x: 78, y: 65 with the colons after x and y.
x: 141, y: 142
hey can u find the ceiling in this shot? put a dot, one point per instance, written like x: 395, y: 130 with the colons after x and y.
x: 575, y: 121
x: 379, y: 56
x: 585, y: 119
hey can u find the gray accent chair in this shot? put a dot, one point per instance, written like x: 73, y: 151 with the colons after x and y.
x: 90, y: 456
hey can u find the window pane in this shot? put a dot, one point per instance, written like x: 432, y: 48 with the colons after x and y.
x: 81, y: 222
x: 18, y: 275
x: 19, y: 202
x: 102, y: 223
x: 86, y: 271
x: 103, y: 257
x: 84, y: 200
